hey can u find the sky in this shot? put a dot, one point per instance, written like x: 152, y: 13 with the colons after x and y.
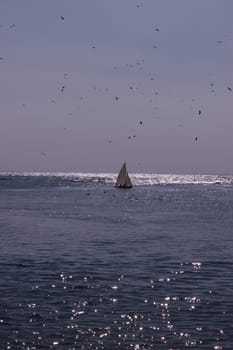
x: 86, y: 85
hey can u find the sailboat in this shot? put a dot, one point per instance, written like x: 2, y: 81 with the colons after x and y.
x: 123, y: 179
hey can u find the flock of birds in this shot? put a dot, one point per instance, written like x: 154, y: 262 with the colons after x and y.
x: 117, y: 98
x: 229, y: 89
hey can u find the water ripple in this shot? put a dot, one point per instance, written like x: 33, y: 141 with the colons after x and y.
x: 177, y: 310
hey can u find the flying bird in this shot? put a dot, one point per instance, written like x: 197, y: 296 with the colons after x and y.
x: 140, y: 122
x: 229, y: 88
x: 62, y: 18
x: 117, y: 98
x: 196, y: 138
x: 199, y: 112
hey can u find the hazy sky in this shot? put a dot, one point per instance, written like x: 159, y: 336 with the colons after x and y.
x: 74, y: 88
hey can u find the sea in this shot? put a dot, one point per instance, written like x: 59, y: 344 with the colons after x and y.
x: 84, y: 265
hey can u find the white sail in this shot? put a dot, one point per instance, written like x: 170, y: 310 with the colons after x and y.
x: 123, y: 179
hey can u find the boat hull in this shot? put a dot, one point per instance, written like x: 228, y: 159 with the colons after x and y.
x: 123, y: 186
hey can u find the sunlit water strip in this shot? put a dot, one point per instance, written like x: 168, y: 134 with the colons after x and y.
x: 138, y: 179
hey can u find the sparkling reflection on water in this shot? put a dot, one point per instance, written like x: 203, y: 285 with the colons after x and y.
x: 164, y: 309
x: 103, y: 269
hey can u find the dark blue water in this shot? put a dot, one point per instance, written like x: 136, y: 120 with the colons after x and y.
x: 86, y: 266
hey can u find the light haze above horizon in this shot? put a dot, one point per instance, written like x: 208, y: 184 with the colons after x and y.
x: 86, y: 85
